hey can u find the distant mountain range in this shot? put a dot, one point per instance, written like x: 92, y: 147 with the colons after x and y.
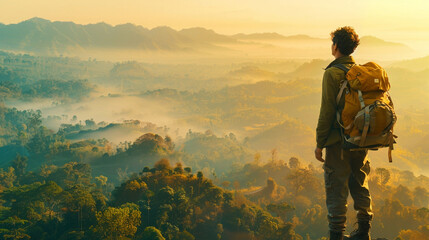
x: 418, y: 64
x: 42, y: 36
x: 274, y: 36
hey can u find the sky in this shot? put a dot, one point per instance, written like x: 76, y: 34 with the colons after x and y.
x: 392, y: 20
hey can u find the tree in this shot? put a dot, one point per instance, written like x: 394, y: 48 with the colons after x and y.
x: 116, y: 223
x: 179, y: 168
x: 80, y: 206
x: 165, y: 195
x: 184, y: 236
x: 19, y: 164
x: 130, y: 191
x: 35, y: 120
x: 294, y: 163
x: 421, y: 233
x: 188, y: 170
x: 421, y: 197
x: 286, y: 232
x: 282, y: 210
x: 7, y: 178
x: 169, y: 143
x: 404, y: 195
x: 383, y: 174
x: 163, y: 165
x: 303, y: 179
x: 90, y: 123
x: 266, y: 225
x: 14, y: 228
x: 101, y: 180
x: 72, y: 174
x: 152, y: 233
x: 146, y: 169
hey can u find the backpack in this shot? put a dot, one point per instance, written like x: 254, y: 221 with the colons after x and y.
x: 368, y: 116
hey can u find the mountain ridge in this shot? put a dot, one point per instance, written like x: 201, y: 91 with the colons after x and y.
x: 42, y: 36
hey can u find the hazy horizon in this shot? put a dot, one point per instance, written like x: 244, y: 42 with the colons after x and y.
x: 196, y: 44
x: 402, y: 22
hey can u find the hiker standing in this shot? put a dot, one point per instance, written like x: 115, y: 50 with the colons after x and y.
x: 345, y: 170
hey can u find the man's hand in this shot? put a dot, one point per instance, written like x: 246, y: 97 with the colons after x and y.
x: 318, y: 154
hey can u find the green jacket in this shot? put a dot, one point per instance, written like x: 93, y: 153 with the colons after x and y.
x: 328, y: 129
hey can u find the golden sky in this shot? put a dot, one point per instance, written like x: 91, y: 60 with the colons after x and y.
x: 394, y: 19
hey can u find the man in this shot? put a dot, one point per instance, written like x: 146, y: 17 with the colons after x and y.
x: 344, y: 170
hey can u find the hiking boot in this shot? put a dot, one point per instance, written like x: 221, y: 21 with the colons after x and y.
x: 335, y: 235
x: 361, y: 233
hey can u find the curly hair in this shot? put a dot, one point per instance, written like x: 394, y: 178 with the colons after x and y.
x: 346, y: 39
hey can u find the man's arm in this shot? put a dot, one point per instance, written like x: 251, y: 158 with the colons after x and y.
x: 328, y: 109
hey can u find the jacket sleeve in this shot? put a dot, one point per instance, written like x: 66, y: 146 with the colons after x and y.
x: 328, y: 109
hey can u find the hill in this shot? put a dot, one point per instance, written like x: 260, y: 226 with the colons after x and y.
x: 273, y: 36
x: 117, y: 132
x: 371, y: 47
x: 54, y: 38
x: 214, y: 154
x: 291, y: 136
x: 417, y: 64
x: 45, y: 37
x: 146, y: 150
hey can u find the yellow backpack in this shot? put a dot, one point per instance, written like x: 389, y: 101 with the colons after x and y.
x: 368, y: 116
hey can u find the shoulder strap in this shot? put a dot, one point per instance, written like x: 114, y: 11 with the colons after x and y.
x: 342, y: 88
x: 342, y: 67
x: 344, y: 82
x: 340, y: 93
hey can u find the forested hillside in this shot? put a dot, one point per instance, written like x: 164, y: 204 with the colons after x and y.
x: 64, y: 189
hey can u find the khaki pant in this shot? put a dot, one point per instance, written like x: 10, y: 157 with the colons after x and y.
x: 342, y: 176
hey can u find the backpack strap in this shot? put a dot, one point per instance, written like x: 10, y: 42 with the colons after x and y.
x: 343, y: 86
x: 362, y: 103
x: 344, y: 82
x: 365, y: 127
x: 342, y: 67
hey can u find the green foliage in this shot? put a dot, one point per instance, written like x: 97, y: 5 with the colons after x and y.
x: 117, y: 223
x: 34, y: 202
x: 422, y: 232
x: 146, y: 150
x: 384, y: 175
x: 7, y: 177
x: 19, y: 164
x: 150, y: 143
x: 14, y: 228
x: 13, y: 86
x: 151, y: 233
x: 17, y: 126
x: 166, y: 202
x: 174, y: 203
x: 66, y: 202
x: 184, y: 236
x: 30, y: 68
x: 281, y: 210
x: 207, y: 151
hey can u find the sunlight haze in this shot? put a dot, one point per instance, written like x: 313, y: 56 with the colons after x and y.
x: 392, y: 20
